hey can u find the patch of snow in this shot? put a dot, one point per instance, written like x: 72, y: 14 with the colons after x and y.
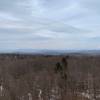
x: 30, y: 96
x: 40, y: 93
x: 1, y: 90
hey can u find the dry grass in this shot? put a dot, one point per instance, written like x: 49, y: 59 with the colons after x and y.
x: 27, y: 77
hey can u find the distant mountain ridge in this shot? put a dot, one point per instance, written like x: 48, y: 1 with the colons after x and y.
x: 58, y: 52
x: 54, y: 52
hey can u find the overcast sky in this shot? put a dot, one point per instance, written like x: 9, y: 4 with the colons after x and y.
x: 49, y: 24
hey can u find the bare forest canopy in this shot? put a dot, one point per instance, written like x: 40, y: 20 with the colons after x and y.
x: 38, y: 77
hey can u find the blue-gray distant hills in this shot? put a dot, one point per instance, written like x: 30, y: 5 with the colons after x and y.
x: 57, y: 52
x: 52, y: 52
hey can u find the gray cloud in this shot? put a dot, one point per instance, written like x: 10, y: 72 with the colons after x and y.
x: 44, y: 23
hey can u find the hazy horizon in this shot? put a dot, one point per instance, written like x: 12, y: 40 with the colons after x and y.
x: 50, y: 51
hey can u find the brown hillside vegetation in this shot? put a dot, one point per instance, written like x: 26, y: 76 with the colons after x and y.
x: 37, y: 77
